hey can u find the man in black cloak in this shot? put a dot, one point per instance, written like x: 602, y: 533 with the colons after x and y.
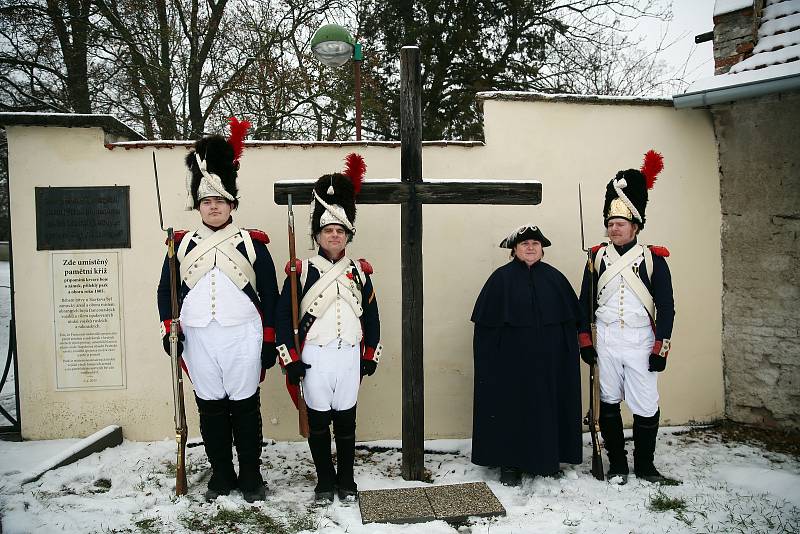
x: 527, y: 406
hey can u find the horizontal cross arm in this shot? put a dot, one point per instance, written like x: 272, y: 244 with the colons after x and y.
x: 509, y: 192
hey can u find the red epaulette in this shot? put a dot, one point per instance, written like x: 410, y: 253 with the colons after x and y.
x: 365, y: 266
x: 659, y: 251
x: 177, y: 235
x: 598, y: 247
x: 298, y: 264
x: 259, y: 235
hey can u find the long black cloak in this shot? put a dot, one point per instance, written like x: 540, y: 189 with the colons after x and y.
x: 527, y: 409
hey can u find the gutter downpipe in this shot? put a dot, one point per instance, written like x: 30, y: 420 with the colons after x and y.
x: 736, y: 92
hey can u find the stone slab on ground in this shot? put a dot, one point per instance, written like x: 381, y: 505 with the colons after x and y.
x: 110, y: 436
x: 401, y: 505
x: 453, y: 503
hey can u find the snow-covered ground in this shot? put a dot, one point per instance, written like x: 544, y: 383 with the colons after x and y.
x: 727, y: 487
x: 7, y: 394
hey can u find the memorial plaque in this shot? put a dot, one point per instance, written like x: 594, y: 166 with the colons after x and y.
x: 79, y: 218
x: 87, y: 311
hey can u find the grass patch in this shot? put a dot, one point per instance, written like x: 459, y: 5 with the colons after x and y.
x: 661, y: 502
x: 770, y: 439
x: 101, y: 485
x: 250, y: 519
x: 147, y: 526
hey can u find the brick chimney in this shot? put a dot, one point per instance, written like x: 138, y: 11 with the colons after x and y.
x: 735, y: 35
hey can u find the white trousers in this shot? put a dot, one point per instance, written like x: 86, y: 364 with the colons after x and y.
x: 224, y: 361
x: 332, y: 381
x: 623, y: 356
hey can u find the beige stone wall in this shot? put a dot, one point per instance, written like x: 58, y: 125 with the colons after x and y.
x: 760, y: 198
x: 558, y: 142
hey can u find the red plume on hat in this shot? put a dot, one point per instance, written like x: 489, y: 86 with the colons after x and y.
x: 355, y: 169
x: 236, y: 138
x: 652, y: 165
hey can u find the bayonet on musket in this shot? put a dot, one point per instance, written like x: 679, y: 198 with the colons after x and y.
x: 594, y: 383
x: 181, y: 430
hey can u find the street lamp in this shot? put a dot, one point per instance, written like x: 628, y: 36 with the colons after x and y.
x: 334, y: 46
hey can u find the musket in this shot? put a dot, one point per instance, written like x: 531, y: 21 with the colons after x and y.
x: 594, y: 384
x: 302, y: 411
x: 177, y: 373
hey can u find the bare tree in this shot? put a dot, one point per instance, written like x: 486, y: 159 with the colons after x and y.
x: 44, y: 55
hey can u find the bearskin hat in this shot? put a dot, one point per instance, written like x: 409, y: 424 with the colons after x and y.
x: 334, y: 197
x: 627, y: 192
x: 343, y: 194
x: 213, y: 166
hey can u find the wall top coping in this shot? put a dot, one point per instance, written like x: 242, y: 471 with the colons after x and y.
x: 127, y: 145
x: 524, y: 96
x: 112, y: 126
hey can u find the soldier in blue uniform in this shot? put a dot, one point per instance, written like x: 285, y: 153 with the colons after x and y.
x: 339, y: 331
x: 634, y: 312
x: 227, y: 297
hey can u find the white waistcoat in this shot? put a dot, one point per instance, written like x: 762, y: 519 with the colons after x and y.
x: 217, y: 249
x: 216, y: 297
x: 617, y: 301
x: 337, y: 307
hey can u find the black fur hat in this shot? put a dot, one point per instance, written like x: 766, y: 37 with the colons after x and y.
x: 627, y: 193
x: 217, y: 156
x: 335, y: 190
x: 635, y: 189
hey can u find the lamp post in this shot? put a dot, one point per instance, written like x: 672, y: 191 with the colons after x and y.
x: 334, y: 46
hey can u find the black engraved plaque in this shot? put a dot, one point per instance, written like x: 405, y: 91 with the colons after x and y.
x: 76, y: 218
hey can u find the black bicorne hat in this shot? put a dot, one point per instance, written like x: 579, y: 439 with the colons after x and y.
x: 523, y: 233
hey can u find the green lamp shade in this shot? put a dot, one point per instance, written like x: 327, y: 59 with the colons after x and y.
x: 333, y: 45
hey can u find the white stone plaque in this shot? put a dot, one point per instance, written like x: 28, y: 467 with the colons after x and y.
x: 87, y: 310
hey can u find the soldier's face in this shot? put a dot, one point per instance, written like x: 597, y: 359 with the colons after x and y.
x: 215, y: 211
x: 621, y: 231
x: 530, y: 251
x: 332, y: 238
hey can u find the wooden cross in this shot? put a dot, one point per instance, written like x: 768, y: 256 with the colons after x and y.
x: 411, y: 192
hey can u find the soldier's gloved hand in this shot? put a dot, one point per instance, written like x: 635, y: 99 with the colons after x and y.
x: 165, y: 341
x: 589, y: 355
x: 269, y: 354
x: 296, y: 370
x: 657, y: 363
x: 368, y: 367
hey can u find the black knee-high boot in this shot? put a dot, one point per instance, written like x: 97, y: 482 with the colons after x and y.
x: 645, y: 430
x: 344, y: 428
x: 215, y: 427
x: 246, y: 422
x: 614, y: 439
x: 319, y: 442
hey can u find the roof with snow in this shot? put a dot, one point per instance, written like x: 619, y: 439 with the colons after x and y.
x: 113, y: 127
x: 530, y: 96
x: 773, y: 67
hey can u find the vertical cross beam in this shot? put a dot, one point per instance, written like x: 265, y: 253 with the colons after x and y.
x: 411, y: 260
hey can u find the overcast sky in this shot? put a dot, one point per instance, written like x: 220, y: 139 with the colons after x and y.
x: 690, y: 18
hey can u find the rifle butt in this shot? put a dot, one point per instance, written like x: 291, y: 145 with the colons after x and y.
x: 597, y: 466
x: 181, y: 485
x: 302, y: 415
